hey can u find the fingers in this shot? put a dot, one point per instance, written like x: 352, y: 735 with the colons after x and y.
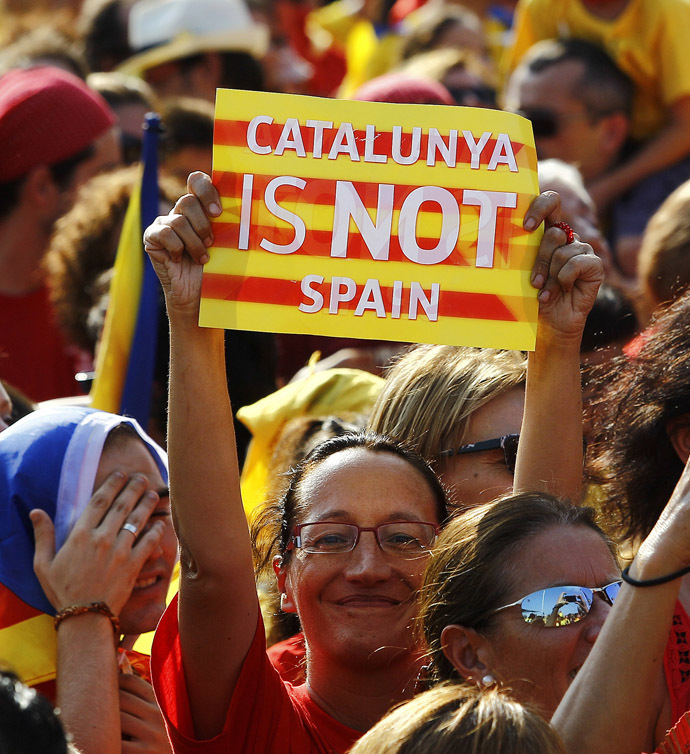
x: 569, y: 264
x: 100, y: 502
x: 187, y: 227
x: 545, y: 207
x: 135, y: 693
x: 201, y: 186
x: 44, y: 536
x: 552, y: 239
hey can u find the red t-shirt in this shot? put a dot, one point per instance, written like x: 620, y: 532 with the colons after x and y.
x: 287, y: 657
x: 266, y: 715
x: 33, y: 354
x: 677, y: 663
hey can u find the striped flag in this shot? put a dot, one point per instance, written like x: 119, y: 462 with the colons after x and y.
x: 381, y: 221
x: 126, y: 355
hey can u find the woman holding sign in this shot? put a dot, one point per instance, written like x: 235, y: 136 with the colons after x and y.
x: 353, y: 583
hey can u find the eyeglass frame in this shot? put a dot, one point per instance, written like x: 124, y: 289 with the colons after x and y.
x: 294, y: 543
x: 600, y: 590
x: 478, y: 447
x: 494, y: 444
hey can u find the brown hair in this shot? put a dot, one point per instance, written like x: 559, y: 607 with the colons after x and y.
x: 454, y: 719
x: 431, y: 391
x: 633, y: 458
x: 469, y: 575
x: 83, y: 246
x: 273, y: 525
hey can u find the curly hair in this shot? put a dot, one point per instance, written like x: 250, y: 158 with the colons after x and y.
x: 83, y: 247
x: 633, y: 458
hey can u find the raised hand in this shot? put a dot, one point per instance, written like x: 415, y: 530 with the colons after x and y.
x: 100, y: 561
x: 177, y: 245
x: 568, y: 275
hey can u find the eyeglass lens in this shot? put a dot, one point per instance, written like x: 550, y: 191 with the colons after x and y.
x: 562, y: 605
x: 407, y: 539
x: 510, y: 449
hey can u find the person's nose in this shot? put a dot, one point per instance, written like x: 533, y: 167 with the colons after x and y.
x: 367, y: 564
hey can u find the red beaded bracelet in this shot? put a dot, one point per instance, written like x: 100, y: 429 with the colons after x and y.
x: 93, y: 607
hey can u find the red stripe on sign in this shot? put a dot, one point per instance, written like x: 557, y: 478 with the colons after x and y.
x: 233, y: 133
x: 14, y: 610
x: 317, y: 243
x: 278, y: 292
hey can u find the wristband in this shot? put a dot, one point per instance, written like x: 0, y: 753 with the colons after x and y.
x: 93, y: 607
x: 653, y: 582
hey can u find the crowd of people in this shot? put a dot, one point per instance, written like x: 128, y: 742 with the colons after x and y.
x: 337, y: 545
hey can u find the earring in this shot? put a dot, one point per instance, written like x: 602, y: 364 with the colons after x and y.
x: 283, y: 598
x: 487, y: 680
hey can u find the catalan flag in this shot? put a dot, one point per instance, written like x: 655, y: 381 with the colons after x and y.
x: 381, y: 221
x: 48, y: 460
x: 126, y: 355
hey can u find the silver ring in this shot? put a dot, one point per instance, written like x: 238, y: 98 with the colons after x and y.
x: 131, y: 528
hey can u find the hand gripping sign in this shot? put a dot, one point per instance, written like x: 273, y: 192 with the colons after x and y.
x: 369, y: 220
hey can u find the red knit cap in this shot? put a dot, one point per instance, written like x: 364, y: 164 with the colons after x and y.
x: 404, y: 89
x: 46, y: 116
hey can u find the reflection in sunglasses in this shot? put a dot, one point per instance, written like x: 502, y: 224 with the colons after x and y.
x: 558, y: 606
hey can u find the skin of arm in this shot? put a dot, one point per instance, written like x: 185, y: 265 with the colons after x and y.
x: 86, y: 658
x: 97, y: 563
x: 218, y: 607
x: 550, y: 452
x: 668, y: 146
x: 613, y: 704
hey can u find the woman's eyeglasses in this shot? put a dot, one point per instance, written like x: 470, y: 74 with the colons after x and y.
x: 562, y: 605
x: 404, y: 539
x: 507, y: 443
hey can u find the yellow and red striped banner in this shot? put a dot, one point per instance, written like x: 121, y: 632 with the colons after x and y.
x: 370, y: 220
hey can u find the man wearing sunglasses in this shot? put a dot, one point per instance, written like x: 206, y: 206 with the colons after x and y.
x: 582, y: 110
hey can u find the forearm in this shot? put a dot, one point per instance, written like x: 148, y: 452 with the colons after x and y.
x: 612, y: 706
x: 87, y: 690
x: 550, y: 451
x: 669, y: 146
x: 218, y: 607
x: 204, y: 473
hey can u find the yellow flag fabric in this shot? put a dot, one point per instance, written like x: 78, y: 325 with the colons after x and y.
x: 331, y: 391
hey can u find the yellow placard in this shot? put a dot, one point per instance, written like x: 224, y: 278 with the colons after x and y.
x: 370, y: 220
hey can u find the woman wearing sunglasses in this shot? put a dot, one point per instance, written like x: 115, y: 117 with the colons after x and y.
x: 515, y: 594
x: 356, y: 526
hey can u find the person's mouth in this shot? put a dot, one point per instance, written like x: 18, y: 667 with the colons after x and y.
x: 368, y: 601
x: 146, y: 582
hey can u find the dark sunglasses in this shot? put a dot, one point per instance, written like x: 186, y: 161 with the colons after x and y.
x: 508, y: 444
x: 558, y: 606
x: 545, y: 123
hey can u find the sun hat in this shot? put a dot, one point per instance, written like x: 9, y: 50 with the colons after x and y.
x: 165, y: 30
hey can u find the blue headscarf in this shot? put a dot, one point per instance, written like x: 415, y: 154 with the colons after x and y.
x: 49, y: 460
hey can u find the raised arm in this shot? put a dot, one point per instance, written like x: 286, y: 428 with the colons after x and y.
x: 568, y: 276
x: 613, y: 705
x: 218, y: 607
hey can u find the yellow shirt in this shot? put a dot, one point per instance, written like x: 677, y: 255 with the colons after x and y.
x: 649, y: 41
